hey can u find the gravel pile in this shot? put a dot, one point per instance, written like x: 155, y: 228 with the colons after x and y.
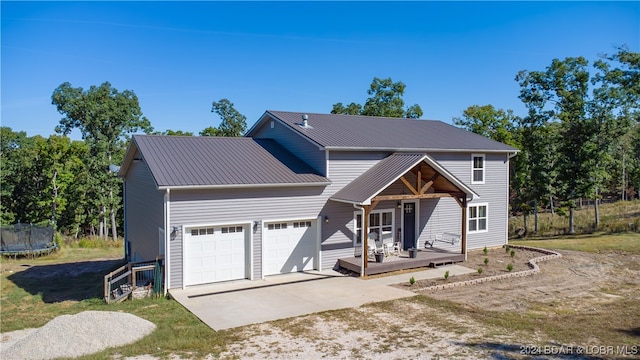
x: 75, y: 335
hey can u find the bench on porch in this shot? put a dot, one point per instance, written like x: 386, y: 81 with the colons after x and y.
x: 447, y: 237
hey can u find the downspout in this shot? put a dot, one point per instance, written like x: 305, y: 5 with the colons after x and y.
x: 127, y: 256
x: 363, y: 254
x: 319, y: 225
x: 506, y: 227
x: 167, y: 239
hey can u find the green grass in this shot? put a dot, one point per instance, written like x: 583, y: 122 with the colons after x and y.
x: 593, y: 243
x: 619, y: 217
x: 29, y: 302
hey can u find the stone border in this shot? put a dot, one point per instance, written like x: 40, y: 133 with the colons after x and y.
x: 533, y: 264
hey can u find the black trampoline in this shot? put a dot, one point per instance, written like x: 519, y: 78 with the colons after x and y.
x: 26, y: 240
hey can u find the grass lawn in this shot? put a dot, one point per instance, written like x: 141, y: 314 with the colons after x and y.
x: 28, y: 300
x: 594, y: 243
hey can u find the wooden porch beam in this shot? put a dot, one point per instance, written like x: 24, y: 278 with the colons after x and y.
x: 419, y: 181
x: 429, y: 183
x: 374, y: 203
x: 410, y: 197
x: 408, y: 185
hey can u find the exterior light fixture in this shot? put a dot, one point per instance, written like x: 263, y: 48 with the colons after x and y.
x: 326, y: 219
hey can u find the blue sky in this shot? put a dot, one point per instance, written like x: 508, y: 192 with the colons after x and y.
x: 179, y: 57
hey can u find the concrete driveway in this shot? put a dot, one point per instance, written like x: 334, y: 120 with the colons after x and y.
x: 233, y: 304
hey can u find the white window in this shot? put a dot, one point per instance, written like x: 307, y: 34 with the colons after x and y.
x: 478, y: 218
x: 381, y: 223
x: 477, y: 168
x: 202, y: 231
x: 302, y: 224
x: 277, y: 226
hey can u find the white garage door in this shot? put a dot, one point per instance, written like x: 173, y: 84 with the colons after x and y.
x: 289, y: 246
x: 215, y: 253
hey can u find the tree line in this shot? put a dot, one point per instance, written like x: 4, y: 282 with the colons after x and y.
x: 579, y: 139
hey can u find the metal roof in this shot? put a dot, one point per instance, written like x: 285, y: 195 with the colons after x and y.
x: 361, y: 190
x: 351, y: 132
x: 209, y: 162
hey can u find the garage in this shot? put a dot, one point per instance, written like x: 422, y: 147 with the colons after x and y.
x: 215, y: 253
x: 289, y: 246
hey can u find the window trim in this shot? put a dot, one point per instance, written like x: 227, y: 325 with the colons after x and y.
x: 469, y: 218
x: 473, y: 168
x: 380, y: 211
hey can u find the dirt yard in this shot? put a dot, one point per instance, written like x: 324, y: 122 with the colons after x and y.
x: 583, y: 305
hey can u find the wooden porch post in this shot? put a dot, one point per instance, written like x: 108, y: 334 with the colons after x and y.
x: 464, y: 227
x: 365, y: 237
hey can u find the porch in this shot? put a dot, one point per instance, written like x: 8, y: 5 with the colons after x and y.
x: 424, y: 258
x: 406, y: 179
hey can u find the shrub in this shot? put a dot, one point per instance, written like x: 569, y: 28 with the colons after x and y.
x: 446, y: 275
x: 485, y: 251
x: 486, y: 261
x: 412, y: 281
x: 507, y: 249
x: 479, y: 270
x: 510, y: 267
x: 513, y: 253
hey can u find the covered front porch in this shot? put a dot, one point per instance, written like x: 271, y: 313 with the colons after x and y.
x: 402, y: 261
x: 410, y: 180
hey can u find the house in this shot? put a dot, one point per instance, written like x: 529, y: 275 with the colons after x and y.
x: 301, y: 192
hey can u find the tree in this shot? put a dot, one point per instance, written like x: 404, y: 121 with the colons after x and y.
x: 105, y: 118
x: 561, y: 93
x: 351, y: 109
x: 385, y: 100
x: 12, y: 148
x: 170, y: 132
x: 617, y: 111
x: 495, y: 124
x: 233, y: 123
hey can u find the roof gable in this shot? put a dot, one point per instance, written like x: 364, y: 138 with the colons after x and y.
x: 351, y: 132
x: 210, y: 162
x: 366, y: 186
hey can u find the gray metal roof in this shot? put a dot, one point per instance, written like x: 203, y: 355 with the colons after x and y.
x: 350, y: 132
x: 209, y: 162
x: 361, y: 190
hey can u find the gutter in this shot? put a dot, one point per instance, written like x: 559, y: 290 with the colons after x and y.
x: 415, y: 150
x: 241, y: 186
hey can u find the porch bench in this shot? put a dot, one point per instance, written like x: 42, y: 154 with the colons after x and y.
x: 447, y: 237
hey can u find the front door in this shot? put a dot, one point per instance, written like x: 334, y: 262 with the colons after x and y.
x: 409, y: 225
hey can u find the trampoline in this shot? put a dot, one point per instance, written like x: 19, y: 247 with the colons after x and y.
x: 26, y: 240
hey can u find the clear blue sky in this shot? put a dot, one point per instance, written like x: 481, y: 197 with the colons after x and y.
x: 179, y: 57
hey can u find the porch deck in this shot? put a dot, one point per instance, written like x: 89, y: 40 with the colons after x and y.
x: 424, y: 258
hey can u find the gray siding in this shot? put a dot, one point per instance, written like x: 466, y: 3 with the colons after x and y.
x: 337, y: 235
x: 144, y: 212
x: 439, y: 216
x: 296, y: 144
x: 493, y: 192
x: 257, y: 252
x: 176, y: 261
